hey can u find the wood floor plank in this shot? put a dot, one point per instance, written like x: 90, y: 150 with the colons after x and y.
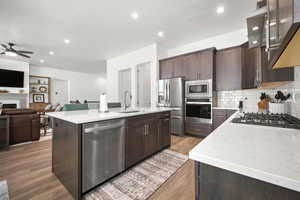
x: 27, y: 169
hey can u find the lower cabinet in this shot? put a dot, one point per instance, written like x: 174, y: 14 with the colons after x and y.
x: 146, y: 135
x: 134, y: 143
x: 164, y: 132
x: 220, y: 116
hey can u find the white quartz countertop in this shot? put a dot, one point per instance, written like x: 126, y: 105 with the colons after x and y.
x: 86, y: 116
x: 265, y: 153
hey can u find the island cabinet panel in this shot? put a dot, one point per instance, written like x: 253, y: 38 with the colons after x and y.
x: 151, y: 137
x: 218, y: 184
x: 164, y: 132
x: 66, y: 155
x: 146, y: 135
x: 134, y: 144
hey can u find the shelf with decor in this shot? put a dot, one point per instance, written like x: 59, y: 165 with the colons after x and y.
x: 39, y: 92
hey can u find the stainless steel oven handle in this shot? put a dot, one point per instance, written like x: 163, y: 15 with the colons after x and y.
x: 199, y: 103
x: 102, y: 128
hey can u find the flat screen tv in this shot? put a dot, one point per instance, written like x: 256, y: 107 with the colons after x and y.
x: 10, y: 78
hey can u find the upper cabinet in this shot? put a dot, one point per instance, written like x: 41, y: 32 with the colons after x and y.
x: 242, y: 67
x: 229, y: 69
x: 194, y: 66
x: 171, y: 68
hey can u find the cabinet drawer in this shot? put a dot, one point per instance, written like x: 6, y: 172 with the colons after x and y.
x: 219, y: 112
x: 198, y: 129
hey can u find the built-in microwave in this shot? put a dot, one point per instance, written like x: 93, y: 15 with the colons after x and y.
x: 198, y: 89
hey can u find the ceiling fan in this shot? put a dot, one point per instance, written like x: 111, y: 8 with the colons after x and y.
x: 9, y: 50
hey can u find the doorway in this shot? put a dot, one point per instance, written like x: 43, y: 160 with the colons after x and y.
x: 59, y: 91
x: 124, y: 84
x: 143, y: 85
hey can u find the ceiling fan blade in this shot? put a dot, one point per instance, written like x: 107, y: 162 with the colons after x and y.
x: 27, y: 52
x: 20, y: 54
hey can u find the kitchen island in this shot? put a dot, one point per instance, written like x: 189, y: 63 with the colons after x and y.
x: 241, y: 162
x: 89, y: 147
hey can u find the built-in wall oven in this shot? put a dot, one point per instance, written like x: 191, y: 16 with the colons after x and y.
x: 198, y: 89
x: 199, y: 110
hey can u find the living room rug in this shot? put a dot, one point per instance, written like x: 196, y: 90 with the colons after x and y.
x: 141, y: 181
x: 3, y: 191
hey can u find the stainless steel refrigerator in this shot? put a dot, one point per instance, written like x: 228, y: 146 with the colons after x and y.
x: 171, y: 94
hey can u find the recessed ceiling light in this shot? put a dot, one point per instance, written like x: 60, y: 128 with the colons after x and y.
x: 51, y: 53
x: 66, y: 41
x: 42, y: 61
x: 220, y: 9
x: 10, y: 53
x: 134, y: 15
x: 272, y: 23
x: 255, y: 42
x: 255, y: 28
x: 161, y: 34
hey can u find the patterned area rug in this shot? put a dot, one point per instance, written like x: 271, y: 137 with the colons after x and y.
x: 3, y: 191
x: 139, y: 182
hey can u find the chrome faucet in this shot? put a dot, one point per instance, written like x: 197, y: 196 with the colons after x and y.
x: 125, y: 99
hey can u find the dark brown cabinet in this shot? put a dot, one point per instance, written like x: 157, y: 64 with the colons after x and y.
x: 171, y: 68
x: 164, y: 131
x: 220, y: 116
x: 134, y: 142
x: 251, y: 62
x: 229, y: 69
x: 193, y: 66
x: 243, y: 68
x: 146, y: 135
x: 4, y: 132
x: 151, y: 136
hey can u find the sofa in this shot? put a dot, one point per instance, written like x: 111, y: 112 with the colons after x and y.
x: 24, y: 125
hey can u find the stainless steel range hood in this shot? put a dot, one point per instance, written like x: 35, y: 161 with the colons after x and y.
x: 275, y: 27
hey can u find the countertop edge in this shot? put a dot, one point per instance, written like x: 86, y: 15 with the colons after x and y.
x: 249, y: 172
x: 118, y: 116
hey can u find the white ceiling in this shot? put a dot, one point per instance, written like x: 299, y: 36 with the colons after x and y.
x: 100, y: 29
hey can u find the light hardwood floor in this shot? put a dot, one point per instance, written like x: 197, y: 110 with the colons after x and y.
x: 27, y: 170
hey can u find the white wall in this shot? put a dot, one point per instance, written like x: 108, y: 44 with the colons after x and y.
x: 82, y: 86
x: 131, y: 60
x: 18, y: 66
x: 220, y: 42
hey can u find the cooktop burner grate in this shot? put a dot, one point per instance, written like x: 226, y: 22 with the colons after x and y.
x: 274, y: 120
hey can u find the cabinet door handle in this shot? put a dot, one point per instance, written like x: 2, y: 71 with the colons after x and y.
x: 148, y: 129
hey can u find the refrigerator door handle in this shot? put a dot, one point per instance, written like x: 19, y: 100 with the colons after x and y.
x: 169, y: 94
x: 166, y: 93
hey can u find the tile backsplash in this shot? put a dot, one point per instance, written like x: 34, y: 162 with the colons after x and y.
x: 230, y: 99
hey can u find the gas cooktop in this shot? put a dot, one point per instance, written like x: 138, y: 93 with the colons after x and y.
x: 274, y: 120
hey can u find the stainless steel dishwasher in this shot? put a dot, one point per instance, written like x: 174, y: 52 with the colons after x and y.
x: 103, y: 152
